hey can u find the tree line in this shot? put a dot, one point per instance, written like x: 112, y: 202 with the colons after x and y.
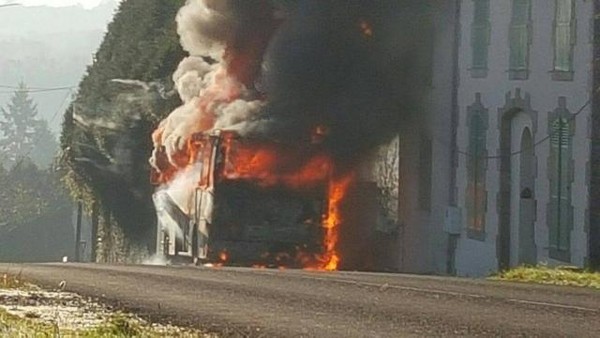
x: 31, y: 195
x: 105, y: 142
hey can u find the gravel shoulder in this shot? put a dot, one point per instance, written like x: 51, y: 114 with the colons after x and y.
x: 27, y: 310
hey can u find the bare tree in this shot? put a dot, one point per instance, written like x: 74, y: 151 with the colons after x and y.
x: 388, y: 181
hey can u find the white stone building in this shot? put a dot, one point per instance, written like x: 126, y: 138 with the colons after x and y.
x: 498, y: 168
x: 524, y: 146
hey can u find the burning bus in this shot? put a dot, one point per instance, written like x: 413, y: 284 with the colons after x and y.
x: 244, y: 198
x: 248, y: 201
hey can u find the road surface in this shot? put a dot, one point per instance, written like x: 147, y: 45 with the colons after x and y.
x: 255, y: 302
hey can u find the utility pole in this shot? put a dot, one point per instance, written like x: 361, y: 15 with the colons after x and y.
x: 78, y: 232
x: 94, y: 244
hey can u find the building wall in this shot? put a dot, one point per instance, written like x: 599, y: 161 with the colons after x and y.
x: 414, y: 170
x: 439, y: 125
x: 538, y: 96
x: 425, y: 161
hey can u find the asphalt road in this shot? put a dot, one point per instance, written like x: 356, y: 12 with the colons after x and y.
x: 272, y: 303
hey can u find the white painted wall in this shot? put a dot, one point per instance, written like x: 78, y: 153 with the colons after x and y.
x: 475, y: 258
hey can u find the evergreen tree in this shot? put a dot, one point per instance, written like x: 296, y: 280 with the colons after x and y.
x: 44, y: 151
x: 27, y: 193
x: 21, y: 131
x: 18, y: 125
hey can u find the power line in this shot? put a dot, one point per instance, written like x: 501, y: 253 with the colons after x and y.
x: 543, y: 140
x: 34, y: 90
x: 27, y: 87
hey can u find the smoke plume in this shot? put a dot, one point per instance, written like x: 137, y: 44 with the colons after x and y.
x: 282, y: 68
x: 226, y: 41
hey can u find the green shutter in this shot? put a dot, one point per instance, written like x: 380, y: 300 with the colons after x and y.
x: 482, y: 11
x: 519, y: 35
x: 477, y: 135
x: 520, y: 15
x: 480, y: 34
x: 563, y: 35
x: 476, y: 194
x: 561, y: 214
x: 564, y: 10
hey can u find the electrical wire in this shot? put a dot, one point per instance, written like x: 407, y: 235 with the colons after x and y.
x: 34, y: 90
x: 539, y: 142
x: 19, y: 87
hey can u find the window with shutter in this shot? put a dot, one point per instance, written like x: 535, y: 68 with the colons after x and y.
x: 480, y: 37
x: 561, y: 211
x: 476, y: 194
x: 564, y: 39
x: 519, y: 39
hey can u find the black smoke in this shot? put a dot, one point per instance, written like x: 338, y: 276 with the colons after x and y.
x: 322, y: 68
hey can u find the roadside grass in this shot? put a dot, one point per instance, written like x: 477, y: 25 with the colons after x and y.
x: 119, y: 326
x: 565, y: 276
x: 13, y: 326
x: 12, y: 282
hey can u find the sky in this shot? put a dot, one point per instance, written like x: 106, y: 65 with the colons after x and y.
x: 68, y: 36
x: 55, y: 3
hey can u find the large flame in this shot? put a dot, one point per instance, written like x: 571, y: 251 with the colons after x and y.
x: 271, y: 165
x: 332, y: 220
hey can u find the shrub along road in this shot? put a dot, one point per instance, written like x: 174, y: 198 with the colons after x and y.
x: 255, y: 302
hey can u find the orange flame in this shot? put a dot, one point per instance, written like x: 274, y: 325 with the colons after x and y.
x: 223, y: 256
x: 330, y: 259
x: 366, y: 28
x: 332, y: 222
x: 271, y: 164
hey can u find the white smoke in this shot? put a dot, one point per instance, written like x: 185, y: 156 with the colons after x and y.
x: 95, y: 122
x: 179, y: 192
x: 190, y: 77
x: 156, y: 260
x: 212, y: 98
x: 204, y: 26
x: 179, y: 127
x: 165, y: 220
x: 182, y: 188
x: 237, y: 112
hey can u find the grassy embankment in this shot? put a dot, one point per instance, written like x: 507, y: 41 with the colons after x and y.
x: 565, y: 276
